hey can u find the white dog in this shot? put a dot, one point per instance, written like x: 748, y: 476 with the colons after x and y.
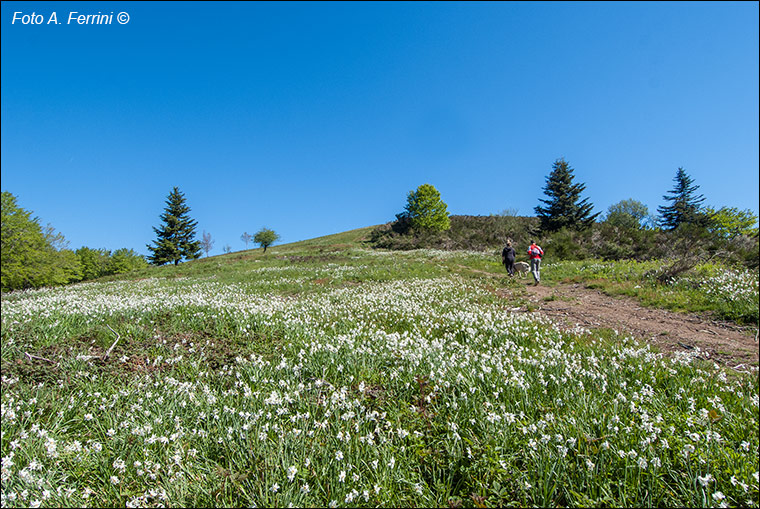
x: 522, y: 267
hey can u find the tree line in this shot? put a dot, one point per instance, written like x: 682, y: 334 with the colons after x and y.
x: 683, y: 228
x: 565, y: 208
x: 33, y: 256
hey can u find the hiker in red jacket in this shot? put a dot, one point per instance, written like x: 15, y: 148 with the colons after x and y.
x: 535, y: 252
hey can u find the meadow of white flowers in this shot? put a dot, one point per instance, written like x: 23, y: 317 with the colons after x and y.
x: 397, y: 392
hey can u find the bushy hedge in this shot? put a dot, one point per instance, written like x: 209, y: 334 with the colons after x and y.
x: 475, y: 233
x: 601, y: 241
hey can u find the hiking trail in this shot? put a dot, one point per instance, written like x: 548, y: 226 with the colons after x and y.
x: 572, y: 304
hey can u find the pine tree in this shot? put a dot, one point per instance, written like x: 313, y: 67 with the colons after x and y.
x: 176, y: 236
x: 564, y: 206
x: 686, y: 206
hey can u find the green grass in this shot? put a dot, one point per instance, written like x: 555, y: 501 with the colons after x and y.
x: 325, y: 373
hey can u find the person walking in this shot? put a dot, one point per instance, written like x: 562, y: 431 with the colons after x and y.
x: 535, y: 252
x: 508, y: 258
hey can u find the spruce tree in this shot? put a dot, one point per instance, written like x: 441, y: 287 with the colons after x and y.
x: 686, y: 205
x: 564, y: 208
x: 176, y: 236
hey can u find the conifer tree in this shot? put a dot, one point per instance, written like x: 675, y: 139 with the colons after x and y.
x: 686, y: 205
x: 176, y: 236
x: 564, y: 208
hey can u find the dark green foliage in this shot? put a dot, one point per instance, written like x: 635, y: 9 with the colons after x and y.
x: 611, y: 242
x: 176, y: 236
x: 477, y: 233
x: 685, y: 206
x: 688, y: 245
x: 265, y: 238
x: 566, y: 244
x: 564, y: 207
x: 601, y: 240
x: 746, y: 250
x: 425, y: 211
x: 30, y: 255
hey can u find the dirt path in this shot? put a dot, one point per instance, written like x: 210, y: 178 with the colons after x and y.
x: 573, y: 304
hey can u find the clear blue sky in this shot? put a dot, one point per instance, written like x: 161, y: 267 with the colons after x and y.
x: 316, y: 118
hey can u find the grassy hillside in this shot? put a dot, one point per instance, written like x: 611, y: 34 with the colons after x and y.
x: 324, y: 373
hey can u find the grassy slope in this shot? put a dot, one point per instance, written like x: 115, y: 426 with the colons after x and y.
x: 727, y: 298
x: 464, y: 403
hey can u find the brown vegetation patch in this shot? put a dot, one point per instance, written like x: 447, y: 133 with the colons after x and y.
x: 313, y: 258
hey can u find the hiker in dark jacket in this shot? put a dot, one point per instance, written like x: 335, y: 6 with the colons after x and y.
x: 508, y: 258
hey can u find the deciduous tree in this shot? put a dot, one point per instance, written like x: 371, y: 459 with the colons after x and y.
x: 729, y: 222
x: 95, y: 262
x: 246, y: 237
x: 628, y: 213
x: 125, y: 260
x: 206, y: 242
x: 30, y: 255
x: 265, y: 238
x: 425, y: 210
